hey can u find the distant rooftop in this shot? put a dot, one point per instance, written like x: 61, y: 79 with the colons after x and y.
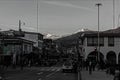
x: 109, y: 33
x: 116, y: 30
x: 16, y: 32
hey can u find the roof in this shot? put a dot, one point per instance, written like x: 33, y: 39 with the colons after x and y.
x: 107, y: 33
x: 17, y: 32
x: 116, y: 30
x: 12, y: 33
x: 16, y: 38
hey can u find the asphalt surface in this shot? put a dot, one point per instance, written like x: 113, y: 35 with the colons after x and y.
x: 39, y: 73
x: 52, y: 73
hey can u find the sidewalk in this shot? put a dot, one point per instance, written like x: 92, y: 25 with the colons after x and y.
x: 96, y: 75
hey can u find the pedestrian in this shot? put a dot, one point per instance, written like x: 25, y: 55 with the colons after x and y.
x: 87, y: 65
x: 13, y: 60
x: 90, y: 67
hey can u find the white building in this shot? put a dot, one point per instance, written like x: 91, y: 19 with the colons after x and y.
x: 13, y: 42
x: 15, y: 45
x: 19, y: 42
x: 35, y: 37
x: 109, y: 42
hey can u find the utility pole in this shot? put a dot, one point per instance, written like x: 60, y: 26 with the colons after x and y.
x: 21, y: 53
x: 79, y: 60
x: 20, y: 25
x: 98, y: 55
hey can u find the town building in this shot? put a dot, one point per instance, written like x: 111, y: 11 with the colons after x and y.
x: 109, y: 46
x: 20, y: 42
x: 11, y: 48
x: 35, y: 37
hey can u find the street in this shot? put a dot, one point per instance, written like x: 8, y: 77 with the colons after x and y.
x: 39, y: 73
x: 53, y: 73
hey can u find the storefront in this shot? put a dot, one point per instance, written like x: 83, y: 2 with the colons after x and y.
x: 12, y: 48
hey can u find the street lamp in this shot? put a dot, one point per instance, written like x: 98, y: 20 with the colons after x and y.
x: 98, y: 5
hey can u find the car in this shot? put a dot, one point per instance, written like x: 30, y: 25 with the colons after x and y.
x: 67, y: 67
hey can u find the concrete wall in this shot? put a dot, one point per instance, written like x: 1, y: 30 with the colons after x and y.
x: 32, y: 37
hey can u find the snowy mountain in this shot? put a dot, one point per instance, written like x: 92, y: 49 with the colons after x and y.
x: 51, y: 36
x: 82, y: 30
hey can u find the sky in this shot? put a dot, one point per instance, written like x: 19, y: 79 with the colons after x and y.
x: 58, y: 17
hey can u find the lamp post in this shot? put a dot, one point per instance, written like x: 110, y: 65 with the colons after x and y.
x: 79, y: 58
x: 98, y: 5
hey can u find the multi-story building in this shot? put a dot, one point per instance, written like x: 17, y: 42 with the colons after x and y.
x: 20, y: 42
x: 12, y: 48
x: 37, y: 38
x: 108, y: 48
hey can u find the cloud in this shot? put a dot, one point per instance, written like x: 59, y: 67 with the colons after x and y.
x: 58, y: 3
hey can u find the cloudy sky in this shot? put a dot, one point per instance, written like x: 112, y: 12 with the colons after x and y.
x: 58, y: 17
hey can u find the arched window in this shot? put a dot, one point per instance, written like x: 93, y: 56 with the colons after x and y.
x: 111, y: 57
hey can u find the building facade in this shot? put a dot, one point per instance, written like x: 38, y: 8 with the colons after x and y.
x: 109, y: 46
x: 13, y: 50
x: 35, y: 37
x: 17, y: 43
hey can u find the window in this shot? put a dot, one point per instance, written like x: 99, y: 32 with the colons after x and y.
x: 25, y: 48
x: 110, y: 41
x: 101, y: 41
x: 89, y: 41
x: 40, y: 44
x: 40, y: 37
x: 93, y: 41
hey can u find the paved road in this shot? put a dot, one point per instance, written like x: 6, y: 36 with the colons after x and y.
x: 39, y: 73
x: 52, y: 73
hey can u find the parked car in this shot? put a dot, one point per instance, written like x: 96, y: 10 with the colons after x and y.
x: 67, y: 67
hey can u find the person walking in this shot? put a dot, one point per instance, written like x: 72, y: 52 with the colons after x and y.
x: 13, y: 60
x: 90, y: 67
